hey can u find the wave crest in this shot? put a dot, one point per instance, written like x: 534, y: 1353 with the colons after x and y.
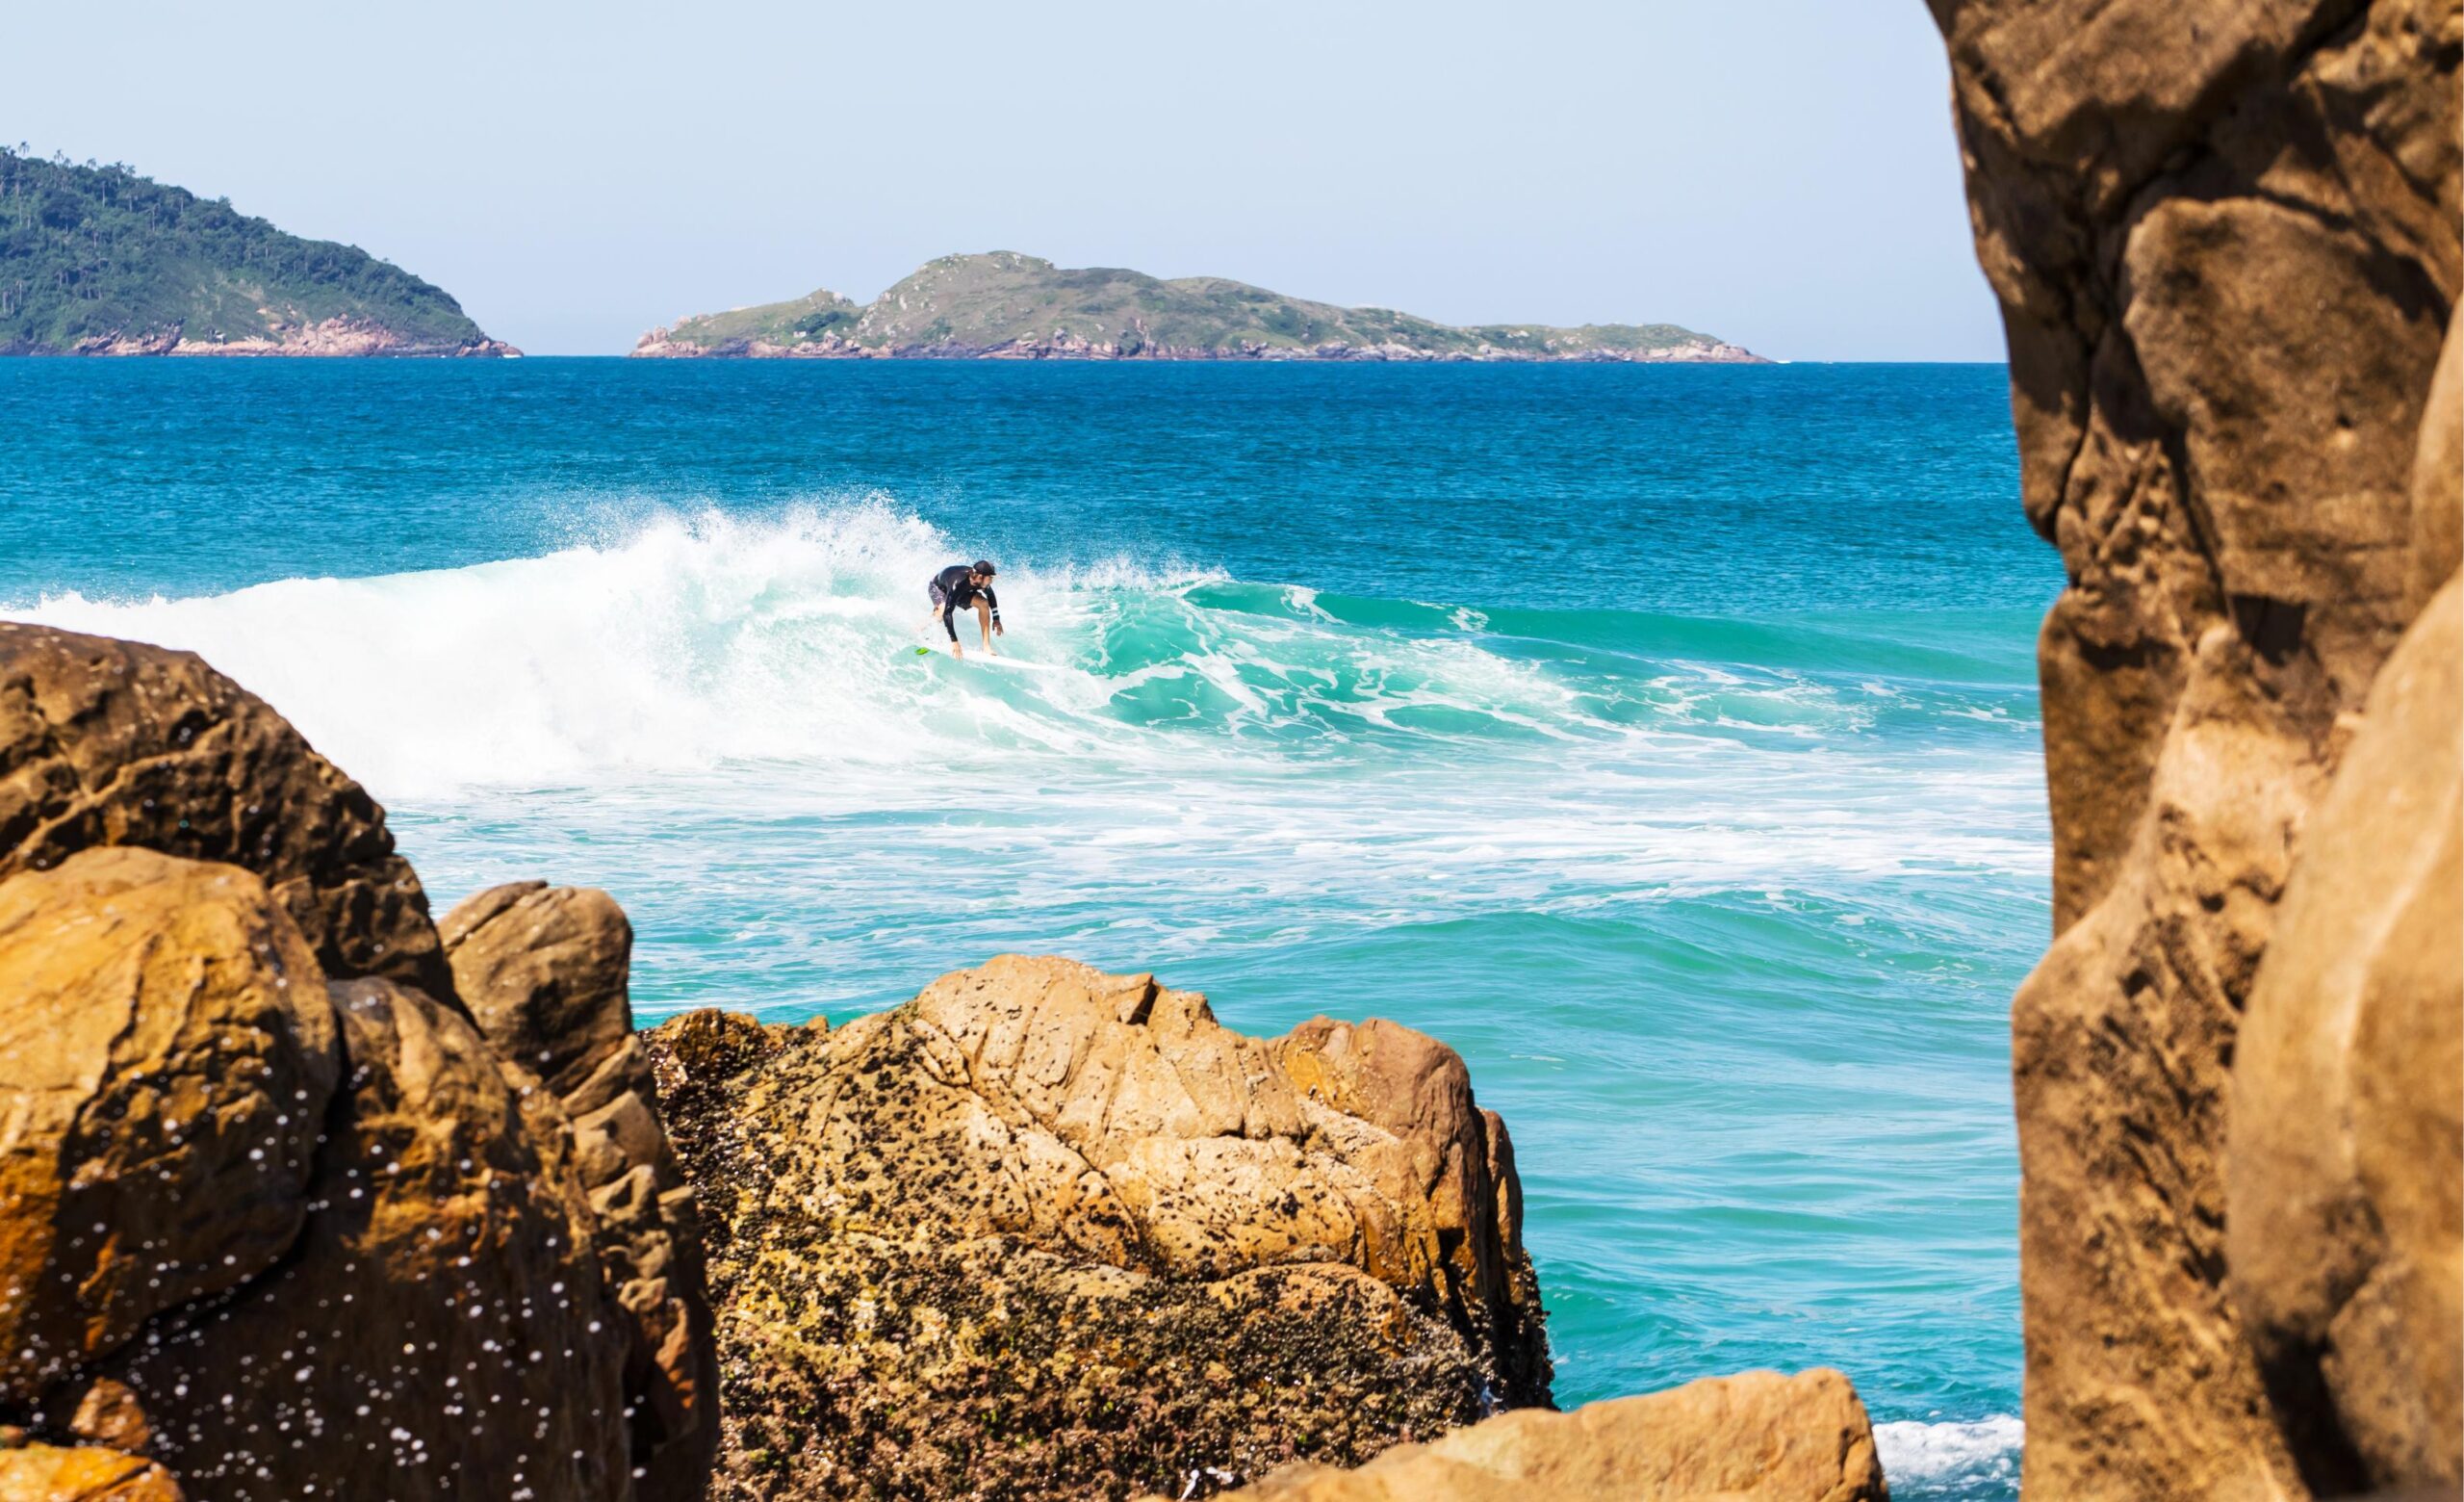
x: 689, y: 640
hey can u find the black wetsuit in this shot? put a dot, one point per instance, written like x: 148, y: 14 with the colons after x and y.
x: 953, y: 589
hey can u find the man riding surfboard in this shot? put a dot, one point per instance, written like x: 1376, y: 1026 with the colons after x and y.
x: 961, y: 585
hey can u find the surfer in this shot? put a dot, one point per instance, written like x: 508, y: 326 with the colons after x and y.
x: 958, y: 586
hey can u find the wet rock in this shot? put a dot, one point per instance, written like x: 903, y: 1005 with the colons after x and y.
x: 169, y: 1056
x: 441, y: 1321
x: 274, y: 1223
x: 1044, y: 1231
x: 2225, y: 238
x: 1754, y: 1438
x: 107, y: 742
x: 544, y: 970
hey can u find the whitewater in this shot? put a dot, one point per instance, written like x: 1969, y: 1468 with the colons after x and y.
x: 1720, y: 882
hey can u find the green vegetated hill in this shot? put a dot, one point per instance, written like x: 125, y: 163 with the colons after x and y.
x: 1006, y: 305
x: 98, y: 260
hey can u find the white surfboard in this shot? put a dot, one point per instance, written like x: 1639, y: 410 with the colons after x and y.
x: 990, y: 659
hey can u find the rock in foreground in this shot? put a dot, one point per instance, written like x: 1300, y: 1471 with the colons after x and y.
x: 278, y: 1219
x: 545, y: 970
x: 1044, y: 1231
x: 2228, y: 238
x: 2347, y: 1171
x: 1754, y: 1438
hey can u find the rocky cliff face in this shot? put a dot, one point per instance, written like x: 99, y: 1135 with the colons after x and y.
x: 289, y: 1194
x: 1044, y: 1231
x: 2225, y: 238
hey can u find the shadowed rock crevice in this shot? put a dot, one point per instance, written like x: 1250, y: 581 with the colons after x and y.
x: 546, y: 972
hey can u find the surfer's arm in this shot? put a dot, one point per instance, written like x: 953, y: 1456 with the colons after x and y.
x: 993, y: 602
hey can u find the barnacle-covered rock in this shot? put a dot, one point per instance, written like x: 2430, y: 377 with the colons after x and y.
x: 1044, y: 1231
x: 276, y: 1219
x: 441, y: 1322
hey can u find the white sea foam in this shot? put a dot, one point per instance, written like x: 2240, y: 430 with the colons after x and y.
x: 1978, y: 1456
x: 689, y: 641
x: 768, y: 661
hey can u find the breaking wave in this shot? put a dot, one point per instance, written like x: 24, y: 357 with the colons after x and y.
x: 694, y: 640
x: 1977, y: 1458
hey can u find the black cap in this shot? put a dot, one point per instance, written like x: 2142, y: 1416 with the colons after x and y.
x: 985, y: 566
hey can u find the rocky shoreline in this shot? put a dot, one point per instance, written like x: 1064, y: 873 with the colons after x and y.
x: 335, y: 338
x: 1055, y: 1230
x: 299, y: 1186
x: 662, y: 344
x: 296, y: 1182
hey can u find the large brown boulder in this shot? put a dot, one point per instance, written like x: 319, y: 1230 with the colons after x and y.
x: 2346, y: 1206
x: 441, y: 1319
x: 545, y: 971
x: 106, y: 742
x: 1044, y: 1231
x: 276, y: 1218
x: 167, y: 1054
x: 1754, y: 1438
x: 261, y: 1231
x: 2225, y: 237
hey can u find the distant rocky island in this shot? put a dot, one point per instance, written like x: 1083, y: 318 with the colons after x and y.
x: 98, y: 260
x: 1005, y: 306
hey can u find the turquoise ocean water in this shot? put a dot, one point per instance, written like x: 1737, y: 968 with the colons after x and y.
x: 1664, y: 739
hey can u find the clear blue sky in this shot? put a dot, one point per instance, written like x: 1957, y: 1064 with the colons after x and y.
x: 1779, y: 172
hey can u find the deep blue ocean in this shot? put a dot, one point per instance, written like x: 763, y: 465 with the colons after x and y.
x: 1663, y: 739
